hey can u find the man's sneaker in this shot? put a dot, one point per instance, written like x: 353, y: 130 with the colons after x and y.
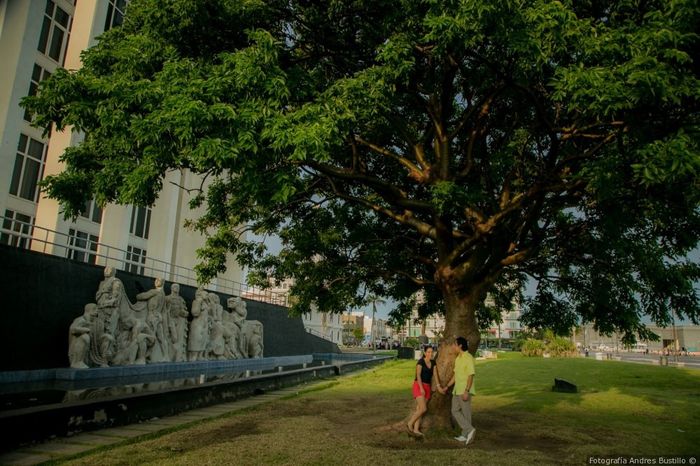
x: 461, y: 438
x: 470, y: 437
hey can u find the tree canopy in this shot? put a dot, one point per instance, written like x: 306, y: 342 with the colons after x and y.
x: 455, y: 147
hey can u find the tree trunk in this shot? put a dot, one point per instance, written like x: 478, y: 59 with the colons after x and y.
x: 460, y: 320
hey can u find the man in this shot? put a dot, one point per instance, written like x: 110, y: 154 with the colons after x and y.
x: 463, y: 380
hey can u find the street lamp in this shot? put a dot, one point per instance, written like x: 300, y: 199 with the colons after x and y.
x: 372, y: 332
x: 675, y: 336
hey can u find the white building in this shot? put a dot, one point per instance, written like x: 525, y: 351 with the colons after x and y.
x: 324, y: 325
x: 377, y: 327
x: 37, y: 37
x: 433, y: 326
x: 509, y: 328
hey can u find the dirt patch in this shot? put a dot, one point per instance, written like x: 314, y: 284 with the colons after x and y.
x: 195, y: 439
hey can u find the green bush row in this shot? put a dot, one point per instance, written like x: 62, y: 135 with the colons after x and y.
x: 558, y: 347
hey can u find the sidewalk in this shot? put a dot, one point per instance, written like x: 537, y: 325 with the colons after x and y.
x: 60, y: 448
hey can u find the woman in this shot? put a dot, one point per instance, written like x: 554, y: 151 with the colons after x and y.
x: 421, y: 389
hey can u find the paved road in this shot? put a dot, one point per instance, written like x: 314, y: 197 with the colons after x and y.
x: 691, y: 362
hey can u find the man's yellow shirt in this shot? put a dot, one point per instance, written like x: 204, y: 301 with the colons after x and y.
x: 464, y: 367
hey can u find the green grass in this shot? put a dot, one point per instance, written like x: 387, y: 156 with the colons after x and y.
x: 621, y: 409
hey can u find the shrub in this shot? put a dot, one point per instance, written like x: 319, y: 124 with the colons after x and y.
x: 561, y: 348
x: 412, y: 342
x: 532, y: 347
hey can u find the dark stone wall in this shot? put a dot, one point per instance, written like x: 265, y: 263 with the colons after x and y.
x: 40, y: 295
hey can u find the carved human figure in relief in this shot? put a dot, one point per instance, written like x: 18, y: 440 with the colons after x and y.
x: 255, y: 340
x: 232, y: 332
x: 239, y: 312
x: 250, y: 340
x: 155, y: 319
x: 79, y: 337
x: 134, y: 342
x: 108, y: 300
x: 199, y: 327
x: 215, y: 347
x: 176, y: 308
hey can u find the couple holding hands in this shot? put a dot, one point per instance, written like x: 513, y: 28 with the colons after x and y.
x: 463, y: 390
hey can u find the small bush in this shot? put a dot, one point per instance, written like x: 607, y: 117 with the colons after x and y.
x: 412, y: 342
x: 560, y: 347
x: 532, y: 347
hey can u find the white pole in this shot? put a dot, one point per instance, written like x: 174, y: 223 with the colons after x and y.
x: 372, y: 332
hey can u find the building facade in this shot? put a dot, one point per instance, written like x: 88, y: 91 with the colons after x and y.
x: 36, y: 38
x: 352, y: 323
x: 433, y: 327
x: 672, y: 338
x: 324, y: 325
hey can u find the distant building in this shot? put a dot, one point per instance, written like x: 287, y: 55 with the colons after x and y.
x: 322, y: 324
x: 325, y: 325
x: 673, y: 338
x: 275, y: 294
x: 510, y: 326
x: 433, y: 327
x: 351, y: 322
x: 377, y: 327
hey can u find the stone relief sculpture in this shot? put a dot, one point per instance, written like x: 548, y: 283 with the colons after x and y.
x: 177, y: 312
x: 79, y: 337
x: 199, y: 327
x: 232, y: 332
x: 215, y: 348
x: 239, y: 312
x: 250, y: 340
x: 134, y: 342
x: 158, y: 328
x: 255, y: 340
x: 111, y: 300
x: 154, y: 301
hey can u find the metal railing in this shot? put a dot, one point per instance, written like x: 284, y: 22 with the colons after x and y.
x: 24, y: 235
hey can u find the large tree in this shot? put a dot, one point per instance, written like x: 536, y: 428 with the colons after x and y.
x: 455, y: 147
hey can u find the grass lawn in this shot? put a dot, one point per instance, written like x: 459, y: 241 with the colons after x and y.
x: 621, y: 409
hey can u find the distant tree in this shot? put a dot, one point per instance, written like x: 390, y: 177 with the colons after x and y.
x: 458, y: 147
x: 359, y: 335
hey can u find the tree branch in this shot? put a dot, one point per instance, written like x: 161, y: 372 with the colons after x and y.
x: 407, y: 218
x: 414, y: 171
x: 387, y: 191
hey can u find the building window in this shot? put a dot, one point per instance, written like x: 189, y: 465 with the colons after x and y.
x: 140, y: 221
x: 115, y: 13
x: 92, y: 211
x: 55, y: 32
x: 16, y: 230
x: 135, y: 260
x: 38, y: 75
x: 82, y: 247
x: 29, y: 168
